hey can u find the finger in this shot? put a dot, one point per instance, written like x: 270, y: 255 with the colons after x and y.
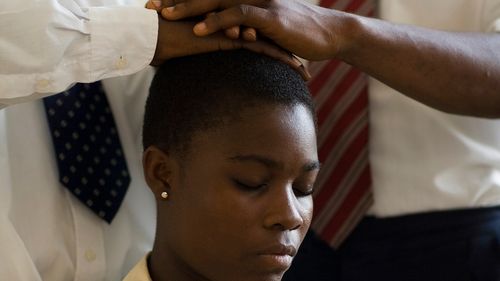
x: 278, y: 53
x: 235, y: 16
x: 176, y: 39
x: 306, y: 75
x: 191, y: 8
x: 208, y: 15
x: 154, y: 5
x: 304, y: 72
x: 249, y: 34
x: 233, y: 32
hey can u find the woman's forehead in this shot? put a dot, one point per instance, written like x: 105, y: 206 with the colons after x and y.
x: 267, y: 130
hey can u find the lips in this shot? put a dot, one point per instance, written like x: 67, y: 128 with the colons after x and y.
x: 278, y: 257
x: 280, y: 250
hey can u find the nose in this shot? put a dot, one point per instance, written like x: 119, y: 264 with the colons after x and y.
x: 284, y: 211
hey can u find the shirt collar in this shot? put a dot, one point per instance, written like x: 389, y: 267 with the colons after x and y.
x: 140, y: 272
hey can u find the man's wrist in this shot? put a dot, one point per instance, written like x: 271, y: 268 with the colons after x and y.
x: 347, y: 31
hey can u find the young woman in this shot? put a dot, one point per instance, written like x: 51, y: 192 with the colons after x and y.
x: 230, y: 155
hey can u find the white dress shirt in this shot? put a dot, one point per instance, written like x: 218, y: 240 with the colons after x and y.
x: 45, y: 232
x: 423, y: 159
x: 45, y: 46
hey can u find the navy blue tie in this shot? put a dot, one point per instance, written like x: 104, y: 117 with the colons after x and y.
x: 89, y: 154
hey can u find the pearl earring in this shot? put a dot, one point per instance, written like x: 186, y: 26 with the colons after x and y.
x: 164, y: 195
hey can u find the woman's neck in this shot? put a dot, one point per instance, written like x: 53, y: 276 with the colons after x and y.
x: 164, y: 266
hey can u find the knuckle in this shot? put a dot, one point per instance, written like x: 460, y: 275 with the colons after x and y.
x: 216, y: 19
x: 267, y: 3
x: 242, y: 10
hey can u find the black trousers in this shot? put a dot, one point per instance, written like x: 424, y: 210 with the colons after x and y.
x: 461, y: 245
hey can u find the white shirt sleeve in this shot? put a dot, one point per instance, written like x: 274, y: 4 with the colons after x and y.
x: 47, y: 45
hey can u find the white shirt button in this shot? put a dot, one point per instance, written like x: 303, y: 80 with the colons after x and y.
x: 121, y: 63
x: 42, y: 85
x: 90, y: 255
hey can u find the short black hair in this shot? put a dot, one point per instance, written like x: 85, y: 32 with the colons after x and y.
x: 195, y: 93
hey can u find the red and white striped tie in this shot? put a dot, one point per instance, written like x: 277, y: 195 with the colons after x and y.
x: 344, y: 184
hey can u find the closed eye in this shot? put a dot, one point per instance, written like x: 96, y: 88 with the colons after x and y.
x: 249, y: 187
x: 303, y: 192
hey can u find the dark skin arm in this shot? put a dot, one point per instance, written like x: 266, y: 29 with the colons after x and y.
x: 454, y: 72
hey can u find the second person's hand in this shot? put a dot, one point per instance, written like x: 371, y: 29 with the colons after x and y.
x: 305, y: 29
x: 176, y: 39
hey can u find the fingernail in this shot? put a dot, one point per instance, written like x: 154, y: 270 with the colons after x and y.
x: 297, y: 62
x: 250, y: 36
x: 200, y: 27
x: 170, y: 9
x: 308, y: 75
x: 236, y: 31
x: 157, y: 3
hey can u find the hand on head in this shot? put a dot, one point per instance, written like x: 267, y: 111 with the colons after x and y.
x: 299, y: 27
x: 178, y: 39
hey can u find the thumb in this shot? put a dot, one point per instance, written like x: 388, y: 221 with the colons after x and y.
x: 245, y: 15
x: 154, y: 5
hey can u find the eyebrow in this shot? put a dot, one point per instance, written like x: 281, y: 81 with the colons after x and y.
x: 270, y: 163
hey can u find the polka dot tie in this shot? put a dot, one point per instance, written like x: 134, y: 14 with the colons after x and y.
x: 89, y: 154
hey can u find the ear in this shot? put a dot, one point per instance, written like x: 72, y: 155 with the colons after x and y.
x: 158, y: 170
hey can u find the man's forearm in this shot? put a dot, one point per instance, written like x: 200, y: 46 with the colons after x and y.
x: 453, y: 72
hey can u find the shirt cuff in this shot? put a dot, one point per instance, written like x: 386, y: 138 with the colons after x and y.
x: 115, y: 41
x: 123, y: 40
